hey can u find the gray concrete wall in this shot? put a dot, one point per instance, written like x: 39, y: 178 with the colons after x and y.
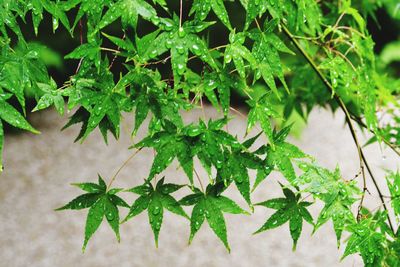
x: 40, y: 168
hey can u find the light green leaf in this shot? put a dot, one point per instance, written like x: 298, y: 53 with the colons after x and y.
x: 288, y: 209
x: 9, y: 114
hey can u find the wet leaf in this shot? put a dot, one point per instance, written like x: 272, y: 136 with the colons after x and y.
x: 288, y: 209
x: 101, y: 203
x: 155, y: 200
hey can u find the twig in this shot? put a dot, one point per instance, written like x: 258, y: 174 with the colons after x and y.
x: 381, y: 196
x: 81, y: 40
x: 361, y: 123
x: 115, y: 56
x: 349, y: 118
x: 180, y: 13
x: 202, y: 107
x: 198, y: 179
x: 122, y: 166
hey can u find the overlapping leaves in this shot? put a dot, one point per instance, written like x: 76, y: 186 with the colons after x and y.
x: 337, y: 194
x: 179, y: 40
x: 334, y: 41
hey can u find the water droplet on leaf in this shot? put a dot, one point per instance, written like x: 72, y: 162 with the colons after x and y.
x: 156, y: 210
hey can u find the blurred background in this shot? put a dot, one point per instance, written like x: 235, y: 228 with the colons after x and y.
x: 39, y: 169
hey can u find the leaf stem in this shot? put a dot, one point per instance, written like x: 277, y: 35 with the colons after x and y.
x: 122, y: 166
x: 198, y: 179
x: 115, y: 56
x: 180, y: 13
x: 81, y: 41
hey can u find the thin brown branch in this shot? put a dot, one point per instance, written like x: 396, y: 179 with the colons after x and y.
x: 349, y: 119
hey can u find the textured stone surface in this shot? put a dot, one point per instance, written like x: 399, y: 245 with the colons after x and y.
x: 40, y: 168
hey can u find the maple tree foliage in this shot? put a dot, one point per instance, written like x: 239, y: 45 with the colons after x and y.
x: 283, y: 58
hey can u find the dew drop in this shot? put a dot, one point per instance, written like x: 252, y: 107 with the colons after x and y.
x: 110, y: 216
x: 210, y: 83
x: 155, y: 20
x: 168, y: 26
x: 196, y: 48
x: 228, y: 58
x: 181, y: 32
x: 180, y: 49
x: 181, y: 68
x: 153, y: 53
x: 218, y: 164
x: 156, y: 210
x: 168, y: 43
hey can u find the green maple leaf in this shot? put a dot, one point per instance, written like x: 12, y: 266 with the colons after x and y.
x: 309, y: 14
x: 392, y: 254
x: 10, y: 115
x: 325, y: 184
x: 340, y: 214
x: 279, y: 157
x: 22, y: 70
x: 224, y: 84
x: 89, y: 51
x: 125, y: 44
x: 51, y: 96
x: 393, y: 182
x: 289, y: 209
x: 212, y: 142
x: 151, y: 96
x: 266, y: 50
x: 57, y: 10
x: 337, y: 194
x: 101, y: 102
x: 201, y: 8
x: 128, y: 11
x: 99, y: 110
x: 179, y: 41
x: 254, y: 8
x: 101, y: 203
x: 210, y: 206
x: 235, y: 168
x: 261, y: 111
x: 212, y: 83
x: 205, y: 142
x: 237, y: 53
x: 108, y: 106
x: 168, y: 145
x: 155, y: 200
x: 367, y: 240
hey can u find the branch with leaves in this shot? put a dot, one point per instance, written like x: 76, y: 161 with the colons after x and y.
x: 286, y: 58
